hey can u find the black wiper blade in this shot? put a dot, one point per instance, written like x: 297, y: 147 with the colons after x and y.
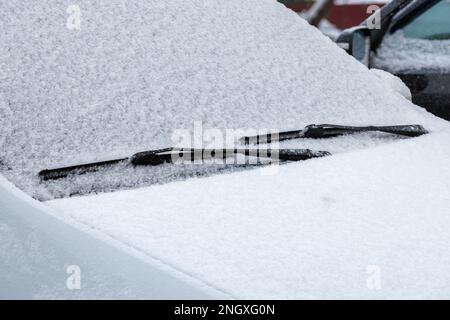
x: 63, y: 172
x: 322, y: 131
x: 168, y: 155
x: 158, y: 157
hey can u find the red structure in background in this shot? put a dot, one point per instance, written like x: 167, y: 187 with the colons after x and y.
x: 345, y: 15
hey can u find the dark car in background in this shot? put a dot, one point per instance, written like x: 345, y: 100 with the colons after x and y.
x: 410, y: 39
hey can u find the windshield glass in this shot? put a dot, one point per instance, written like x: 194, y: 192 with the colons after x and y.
x: 433, y: 24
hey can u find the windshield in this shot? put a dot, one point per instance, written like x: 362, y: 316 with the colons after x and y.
x: 433, y: 24
x: 105, y: 80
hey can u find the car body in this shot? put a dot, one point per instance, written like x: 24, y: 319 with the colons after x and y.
x: 322, y: 228
x: 44, y: 257
x: 413, y: 42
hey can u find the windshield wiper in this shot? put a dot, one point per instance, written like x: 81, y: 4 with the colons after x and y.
x: 329, y: 131
x: 161, y: 156
x: 158, y: 157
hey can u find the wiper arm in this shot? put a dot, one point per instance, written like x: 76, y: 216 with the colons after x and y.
x: 161, y: 156
x: 329, y: 131
x: 158, y: 157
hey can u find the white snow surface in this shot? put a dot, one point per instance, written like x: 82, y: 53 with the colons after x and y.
x: 39, y: 251
x: 395, y: 82
x: 139, y: 69
x: 400, y: 54
x: 366, y: 224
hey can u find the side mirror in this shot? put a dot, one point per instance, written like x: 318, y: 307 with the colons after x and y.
x: 360, y: 47
x: 357, y: 43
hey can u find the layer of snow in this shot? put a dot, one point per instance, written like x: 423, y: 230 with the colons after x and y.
x: 39, y: 254
x: 137, y: 70
x: 400, y: 54
x: 394, y: 82
x: 367, y: 224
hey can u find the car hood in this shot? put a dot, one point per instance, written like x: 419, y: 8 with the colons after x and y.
x: 365, y: 224
x: 45, y: 257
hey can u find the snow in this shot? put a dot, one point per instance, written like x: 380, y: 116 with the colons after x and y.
x: 394, y: 82
x: 39, y: 253
x: 137, y: 70
x: 319, y: 229
x: 398, y: 53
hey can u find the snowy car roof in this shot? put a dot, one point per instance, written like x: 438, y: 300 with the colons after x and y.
x: 108, y: 78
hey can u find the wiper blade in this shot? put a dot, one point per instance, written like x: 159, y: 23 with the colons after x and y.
x: 322, y: 131
x: 63, y: 172
x: 161, y: 156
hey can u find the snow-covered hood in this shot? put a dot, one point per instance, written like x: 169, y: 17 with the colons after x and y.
x: 42, y: 255
x: 319, y: 229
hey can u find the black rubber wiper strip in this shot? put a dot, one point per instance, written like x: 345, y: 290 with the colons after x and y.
x: 158, y: 157
x: 329, y: 131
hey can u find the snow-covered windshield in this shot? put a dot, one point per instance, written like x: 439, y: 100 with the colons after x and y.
x: 98, y: 80
x: 398, y: 53
x: 423, y: 43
